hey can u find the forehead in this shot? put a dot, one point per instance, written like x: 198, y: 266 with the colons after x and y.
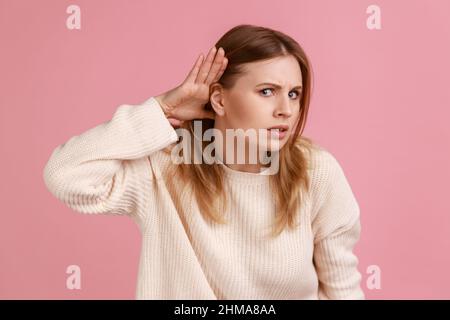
x: 284, y: 70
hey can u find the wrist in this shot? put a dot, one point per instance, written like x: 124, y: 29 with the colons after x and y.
x: 162, y: 104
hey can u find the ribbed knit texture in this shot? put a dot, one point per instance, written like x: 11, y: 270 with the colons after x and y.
x: 116, y: 167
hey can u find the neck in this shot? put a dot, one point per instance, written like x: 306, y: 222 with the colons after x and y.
x: 245, y: 161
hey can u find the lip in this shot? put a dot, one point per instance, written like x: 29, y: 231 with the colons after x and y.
x: 277, y: 133
x: 282, y: 127
x: 280, y: 133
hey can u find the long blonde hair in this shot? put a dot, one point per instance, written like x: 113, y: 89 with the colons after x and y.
x: 243, y: 44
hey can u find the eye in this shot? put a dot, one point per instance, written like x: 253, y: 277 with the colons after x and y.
x: 296, y: 92
x: 265, y: 89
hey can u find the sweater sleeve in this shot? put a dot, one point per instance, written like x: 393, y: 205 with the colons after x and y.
x: 337, y: 227
x: 106, y: 169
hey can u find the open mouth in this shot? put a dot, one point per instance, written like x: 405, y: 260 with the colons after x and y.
x: 279, y: 133
x: 280, y: 129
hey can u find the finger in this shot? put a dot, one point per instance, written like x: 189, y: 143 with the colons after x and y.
x: 175, y: 122
x: 204, y: 69
x: 194, y: 71
x: 222, y: 69
x: 217, y: 65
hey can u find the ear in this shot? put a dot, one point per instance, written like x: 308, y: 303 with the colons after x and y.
x: 217, y: 98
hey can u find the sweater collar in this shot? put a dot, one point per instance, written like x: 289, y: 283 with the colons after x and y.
x: 242, y: 176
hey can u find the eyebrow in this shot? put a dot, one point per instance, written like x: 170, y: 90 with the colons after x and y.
x: 277, y: 85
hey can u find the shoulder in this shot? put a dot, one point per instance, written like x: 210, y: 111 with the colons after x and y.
x: 330, y: 191
x: 320, y: 161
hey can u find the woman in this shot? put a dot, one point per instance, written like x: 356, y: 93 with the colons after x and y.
x: 204, y: 224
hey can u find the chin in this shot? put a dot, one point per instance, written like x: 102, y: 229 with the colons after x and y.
x: 273, y: 146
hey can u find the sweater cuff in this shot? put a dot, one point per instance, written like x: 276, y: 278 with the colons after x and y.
x: 146, y: 128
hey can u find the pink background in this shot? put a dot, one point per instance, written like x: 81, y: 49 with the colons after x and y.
x: 380, y: 105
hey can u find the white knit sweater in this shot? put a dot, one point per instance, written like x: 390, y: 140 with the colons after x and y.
x: 115, y: 168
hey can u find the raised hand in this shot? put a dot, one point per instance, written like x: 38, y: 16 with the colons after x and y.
x: 187, y: 101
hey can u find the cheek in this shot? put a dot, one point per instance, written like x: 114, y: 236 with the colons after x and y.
x: 244, y: 112
x: 293, y: 122
x: 296, y: 124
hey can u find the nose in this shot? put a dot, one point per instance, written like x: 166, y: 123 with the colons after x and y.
x: 283, y: 108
